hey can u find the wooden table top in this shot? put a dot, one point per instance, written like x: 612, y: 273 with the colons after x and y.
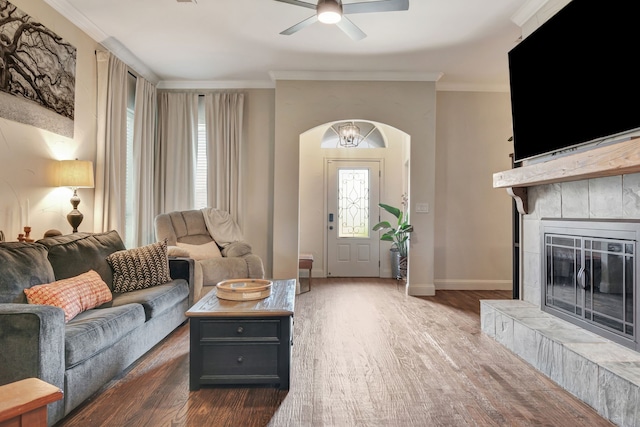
x: 279, y: 303
x: 26, y: 395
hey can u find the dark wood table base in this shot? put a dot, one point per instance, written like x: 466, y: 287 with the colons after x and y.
x: 242, y: 342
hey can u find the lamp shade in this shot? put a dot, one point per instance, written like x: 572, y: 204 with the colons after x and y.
x: 76, y: 173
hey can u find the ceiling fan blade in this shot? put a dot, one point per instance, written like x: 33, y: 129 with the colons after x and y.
x: 350, y: 29
x: 375, y: 6
x: 299, y: 3
x: 300, y: 25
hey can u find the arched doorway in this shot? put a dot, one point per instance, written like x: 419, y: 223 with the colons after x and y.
x: 387, y: 146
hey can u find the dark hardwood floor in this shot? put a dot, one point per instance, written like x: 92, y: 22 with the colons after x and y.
x: 364, y: 354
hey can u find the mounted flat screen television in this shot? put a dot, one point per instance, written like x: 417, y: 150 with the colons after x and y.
x: 573, y: 80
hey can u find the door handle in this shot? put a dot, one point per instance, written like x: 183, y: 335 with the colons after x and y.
x: 581, y: 278
x: 330, y: 217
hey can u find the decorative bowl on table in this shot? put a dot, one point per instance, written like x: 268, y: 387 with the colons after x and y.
x: 244, y: 289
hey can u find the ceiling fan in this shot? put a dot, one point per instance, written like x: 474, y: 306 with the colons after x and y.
x: 333, y: 11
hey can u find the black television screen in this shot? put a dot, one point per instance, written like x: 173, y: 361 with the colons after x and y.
x: 574, y: 79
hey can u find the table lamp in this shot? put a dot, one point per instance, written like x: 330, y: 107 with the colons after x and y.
x: 76, y: 174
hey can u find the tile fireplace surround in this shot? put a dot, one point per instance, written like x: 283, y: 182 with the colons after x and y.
x: 599, y: 184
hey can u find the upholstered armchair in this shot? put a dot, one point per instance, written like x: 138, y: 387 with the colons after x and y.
x: 214, y: 241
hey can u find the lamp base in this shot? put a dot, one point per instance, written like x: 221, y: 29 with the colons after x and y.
x: 75, y: 217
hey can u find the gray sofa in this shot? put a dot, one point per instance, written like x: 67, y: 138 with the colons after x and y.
x: 82, y: 355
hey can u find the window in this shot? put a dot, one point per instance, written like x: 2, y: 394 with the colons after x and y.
x: 201, y: 163
x: 129, y: 239
x: 201, y: 159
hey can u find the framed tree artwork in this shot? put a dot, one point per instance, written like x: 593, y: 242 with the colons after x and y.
x: 37, y: 73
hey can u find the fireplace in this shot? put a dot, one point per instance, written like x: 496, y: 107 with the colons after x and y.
x: 589, y: 274
x: 596, y: 361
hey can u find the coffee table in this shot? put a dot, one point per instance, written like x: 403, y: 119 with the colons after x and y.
x: 242, y: 342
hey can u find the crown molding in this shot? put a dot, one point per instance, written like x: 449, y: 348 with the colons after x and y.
x: 466, y: 87
x: 126, y: 56
x: 113, y: 45
x: 79, y: 20
x: 214, y: 84
x: 526, y: 12
x: 357, y: 75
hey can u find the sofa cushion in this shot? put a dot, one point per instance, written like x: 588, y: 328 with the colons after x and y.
x: 174, y: 251
x: 23, y: 265
x: 155, y: 300
x: 94, y: 330
x: 204, y: 251
x: 73, y: 254
x: 182, y: 226
x: 73, y: 295
x: 140, y: 268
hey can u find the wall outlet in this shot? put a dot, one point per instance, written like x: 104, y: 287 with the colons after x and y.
x: 422, y: 207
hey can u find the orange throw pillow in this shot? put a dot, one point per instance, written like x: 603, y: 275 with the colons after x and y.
x: 74, y: 295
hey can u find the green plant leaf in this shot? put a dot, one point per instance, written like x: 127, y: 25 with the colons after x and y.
x: 399, y: 236
x: 392, y: 210
x: 382, y: 224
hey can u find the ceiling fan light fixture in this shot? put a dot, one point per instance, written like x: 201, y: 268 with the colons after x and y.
x: 329, y: 11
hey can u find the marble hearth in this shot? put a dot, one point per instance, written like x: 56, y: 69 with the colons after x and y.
x: 603, y: 374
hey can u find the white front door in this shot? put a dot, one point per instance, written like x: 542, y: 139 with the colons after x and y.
x: 353, y: 248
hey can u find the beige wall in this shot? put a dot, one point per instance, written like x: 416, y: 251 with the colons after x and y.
x: 27, y: 153
x: 303, y: 105
x: 473, y: 220
x: 257, y: 173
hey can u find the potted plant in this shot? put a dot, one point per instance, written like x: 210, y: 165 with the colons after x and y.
x: 399, y: 235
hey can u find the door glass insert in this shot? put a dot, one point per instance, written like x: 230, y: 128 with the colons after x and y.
x: 353, y: 203
x: 563, y: 265
x: 608, y: 294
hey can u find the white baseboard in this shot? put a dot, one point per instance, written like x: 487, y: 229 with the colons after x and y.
x: 422, y: 290
x: 473, y: 285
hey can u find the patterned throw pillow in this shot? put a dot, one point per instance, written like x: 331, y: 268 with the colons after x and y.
x: 74, y: 295
x: 140, y: 268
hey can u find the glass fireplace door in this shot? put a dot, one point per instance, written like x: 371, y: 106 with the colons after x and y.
x: 591, y: 279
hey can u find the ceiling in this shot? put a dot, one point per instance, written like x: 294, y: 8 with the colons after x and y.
x: 461, y: 44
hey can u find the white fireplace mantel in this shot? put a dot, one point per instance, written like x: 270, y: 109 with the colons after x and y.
x: 615, y: 159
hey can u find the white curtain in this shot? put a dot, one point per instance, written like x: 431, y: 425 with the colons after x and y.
x: 176, y: 151
x: 144, y: 133
x: 109, y: 204
x: 224, y: 119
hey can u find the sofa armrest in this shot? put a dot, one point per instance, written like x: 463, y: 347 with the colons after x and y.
x: 255, y: 266
x: 236, y: 249
x: 32, y: 343
x: 183, y: 268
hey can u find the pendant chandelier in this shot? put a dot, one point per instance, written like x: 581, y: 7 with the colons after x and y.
x: 349, y: 135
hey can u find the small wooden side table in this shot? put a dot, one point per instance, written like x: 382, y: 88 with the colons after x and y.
x: 24, y: 402
x: 305, y: 262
